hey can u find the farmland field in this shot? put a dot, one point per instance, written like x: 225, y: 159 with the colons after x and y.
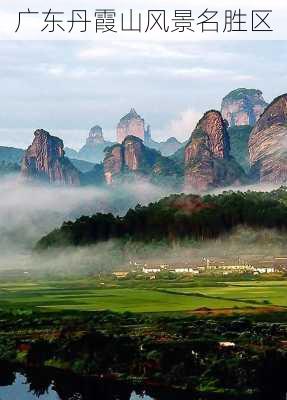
x: 91, y: 295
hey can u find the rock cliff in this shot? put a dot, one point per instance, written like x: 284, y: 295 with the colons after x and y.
x: 207, y: 159
x: 132, y: 159
x: 45, y: 161
x: 268, y: 144
x: 113, y: 163
x: 243, y: 107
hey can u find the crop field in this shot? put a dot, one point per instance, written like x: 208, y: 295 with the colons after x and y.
x: 91, y: 295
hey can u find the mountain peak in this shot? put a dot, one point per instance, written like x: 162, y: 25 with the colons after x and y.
x: 268, y: 144
x: 45, y: 160
x: 131, y: 124
x: 243, y: 106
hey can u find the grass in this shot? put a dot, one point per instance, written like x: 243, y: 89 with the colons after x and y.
x: 273, y: 292
x: 88, y: 295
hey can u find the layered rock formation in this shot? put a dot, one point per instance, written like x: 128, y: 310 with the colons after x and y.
x: 133, y: 159
x: 113, y: 163
x: 131, y: 125
x: 45, y: 161
x: 268, y: 144
x: 207, y: 159
x: 95, y: 136
x: 134, y: 153
x: 243, y: 107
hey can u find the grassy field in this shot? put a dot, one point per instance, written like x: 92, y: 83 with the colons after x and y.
x: 273, y: 292
x: 88, y: 295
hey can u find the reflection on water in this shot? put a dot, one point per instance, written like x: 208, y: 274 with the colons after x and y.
x: 51, y: 385
x: 18, y: 388
x: 22, y: 390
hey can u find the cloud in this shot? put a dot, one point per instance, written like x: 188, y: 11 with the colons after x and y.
x: 62, y: 91
x: 243, y: 78
x: 56, y: 70
x: 182, y: 126
x: 142, y: 49
x: 196, y: 72
x: 204, y: 73
x: 97, y: 52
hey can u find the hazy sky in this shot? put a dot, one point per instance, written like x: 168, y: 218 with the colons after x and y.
x: 67, y: 87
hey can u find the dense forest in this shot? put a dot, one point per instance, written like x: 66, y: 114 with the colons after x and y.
x: 177, y: 217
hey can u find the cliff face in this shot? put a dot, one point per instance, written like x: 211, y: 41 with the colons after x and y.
x: 214, y: 127
x: 131, y: 125
x: 268, y: 144
x: 132, y: 159
x: 207, y: 159
x: 113, y: 163
x: 45, y: 160
x: 243, y: 107
x: 199, y: 165
x: 133, y: 153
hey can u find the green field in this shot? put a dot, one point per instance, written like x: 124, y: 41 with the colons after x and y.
x: 91, y: 295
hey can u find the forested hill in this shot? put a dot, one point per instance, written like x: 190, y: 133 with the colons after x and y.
x: 177, y: 217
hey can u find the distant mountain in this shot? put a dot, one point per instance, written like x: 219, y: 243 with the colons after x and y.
x: 243, y: 107
x: 8, y: 168
x: 71, y: 153
x: 45, y: 161
x: 207, y: 158
x: 178, y: 156
x: 11, y: 154
x: 82, y: 166
x: 93, y: 177
x: 239, y: 138
x: 93, y: 153
x: 166, y: 148
x: 93, y: 150
x: 268, y: 144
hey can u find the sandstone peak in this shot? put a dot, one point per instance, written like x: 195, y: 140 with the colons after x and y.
x: 207, y: 155
x: 45, y: 160
x: 268, y: 144
x: 95, y: 136
x: 243, y: 106
x: 213, y: 125
x: 275, y: 113
x: 131, y: 124
x: 132, y: 159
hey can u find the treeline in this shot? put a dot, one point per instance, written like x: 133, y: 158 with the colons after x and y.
x: 177, y: 217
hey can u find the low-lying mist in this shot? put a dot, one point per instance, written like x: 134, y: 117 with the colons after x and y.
x: 242, y: 246
x: 27, y: 212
